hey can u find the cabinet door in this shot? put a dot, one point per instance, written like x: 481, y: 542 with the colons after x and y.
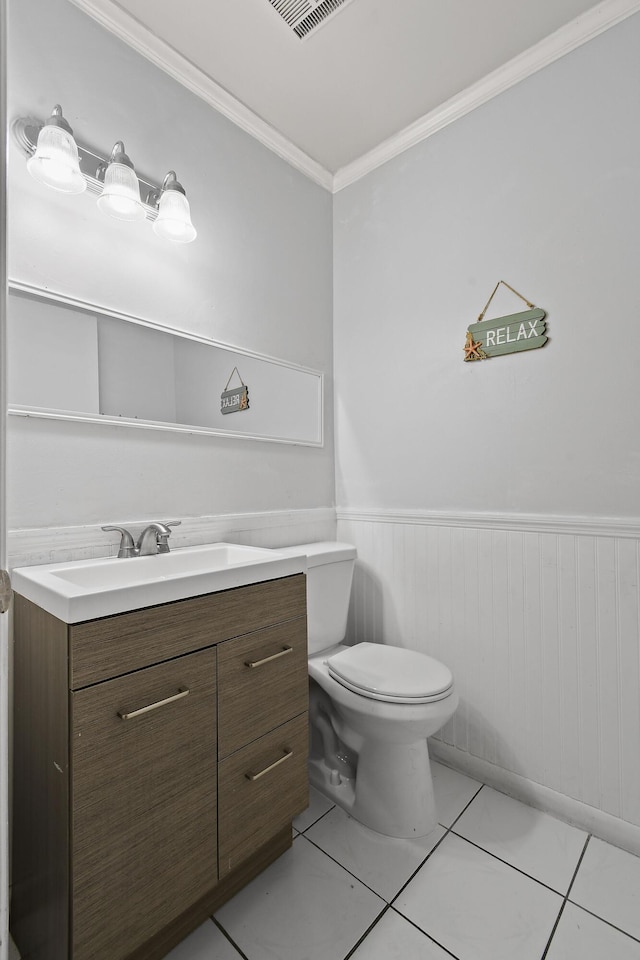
x: 143, y: 803
x: 261, y: 789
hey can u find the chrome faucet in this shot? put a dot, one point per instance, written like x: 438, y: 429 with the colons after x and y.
x: 154, y: 539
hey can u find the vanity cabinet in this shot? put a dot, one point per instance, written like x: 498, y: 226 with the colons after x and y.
x: 159, y: 758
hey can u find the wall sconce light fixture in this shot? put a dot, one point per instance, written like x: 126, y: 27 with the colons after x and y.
x: 120, y: 197
x: 57, y: 160
x: 174, y: 216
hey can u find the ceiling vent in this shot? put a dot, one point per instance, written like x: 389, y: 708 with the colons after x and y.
x: 303, y: 16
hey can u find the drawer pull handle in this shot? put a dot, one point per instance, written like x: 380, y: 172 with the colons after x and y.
x: 272, y: 766
x: 182, y: 692
x: 274, y: 656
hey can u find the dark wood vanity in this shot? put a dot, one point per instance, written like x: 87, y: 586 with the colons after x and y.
x: 159, y: 758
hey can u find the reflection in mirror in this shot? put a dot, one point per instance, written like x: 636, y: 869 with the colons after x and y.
x: 72, y: 360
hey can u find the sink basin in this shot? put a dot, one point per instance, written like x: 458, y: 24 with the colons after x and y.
x: 102, y: 574
x: 87, y: 589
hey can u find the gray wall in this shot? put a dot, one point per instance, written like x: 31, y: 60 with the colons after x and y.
x: 259, y: 276
x: 539, y: 187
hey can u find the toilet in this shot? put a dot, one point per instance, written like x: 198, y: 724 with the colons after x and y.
x: 371, y: 708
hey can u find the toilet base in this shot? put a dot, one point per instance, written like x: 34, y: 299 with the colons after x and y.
x: 332, y: 785
x: 399, y: 804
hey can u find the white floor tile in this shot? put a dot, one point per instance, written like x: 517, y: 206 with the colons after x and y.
x: 383, y: 863
x: 580, y: 936
x: 394, y: 938
x: 608, y: 884
x: 477, y: 907
x: 452, y: 790
x: 205, y: 943
x: 303, y: 907
x: 318, y: 805
x: 528, y: 839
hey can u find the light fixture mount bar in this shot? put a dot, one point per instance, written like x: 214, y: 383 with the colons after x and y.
x: 92, y: 165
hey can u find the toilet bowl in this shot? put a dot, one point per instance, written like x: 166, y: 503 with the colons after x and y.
x: 371, y: 708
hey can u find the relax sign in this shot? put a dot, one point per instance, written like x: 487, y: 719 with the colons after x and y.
x: 231, y: 401
x: 519, y: 331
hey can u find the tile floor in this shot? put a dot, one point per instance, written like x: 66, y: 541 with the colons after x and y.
x: 497, y: 880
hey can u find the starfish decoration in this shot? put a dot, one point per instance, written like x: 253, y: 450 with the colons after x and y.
x: 473, y: 349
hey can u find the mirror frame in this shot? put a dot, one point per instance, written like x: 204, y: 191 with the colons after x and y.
x: 22, y: 410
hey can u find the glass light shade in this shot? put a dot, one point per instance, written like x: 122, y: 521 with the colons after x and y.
x: 120, y: 197
x: 55, y: 162
x: 174, y: 218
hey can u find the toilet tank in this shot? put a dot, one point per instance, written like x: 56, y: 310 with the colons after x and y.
x: 329, y: 575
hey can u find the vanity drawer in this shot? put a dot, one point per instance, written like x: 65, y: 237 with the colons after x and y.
x: 112, y: 646
x: 260, y: 789
x: 262, y: 683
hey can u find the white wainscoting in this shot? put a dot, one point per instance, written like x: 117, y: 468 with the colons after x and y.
x: 539, y: 620
x: 276, y: 528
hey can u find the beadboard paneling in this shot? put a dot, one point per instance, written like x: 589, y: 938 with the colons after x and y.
x: 540, y: 627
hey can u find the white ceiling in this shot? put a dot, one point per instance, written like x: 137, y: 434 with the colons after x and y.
x: 374, y: 69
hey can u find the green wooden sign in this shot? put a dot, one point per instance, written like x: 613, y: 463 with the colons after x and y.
x: 518, y: 331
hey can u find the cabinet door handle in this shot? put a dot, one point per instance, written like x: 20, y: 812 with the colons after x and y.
x: 182, y: 692
x: 274, y: 656
x: 272, y: 766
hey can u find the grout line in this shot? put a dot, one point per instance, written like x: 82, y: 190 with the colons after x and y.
x: 566, y: 897
x: 575, y: 872
x: 464, y: 810
x: 346, y: 870
x: 427, y: 935
x: 317, y: 820
x: 445, y: 834
x: 367, y: 931
x: 608, y: 922
x: 508, y: 864
x: 420, y: 866
x: 555, y: 927
x: 231, y: 941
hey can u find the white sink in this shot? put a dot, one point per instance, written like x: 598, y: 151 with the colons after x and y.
x: 87, y: 589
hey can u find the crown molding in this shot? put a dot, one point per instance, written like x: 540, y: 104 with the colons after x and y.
x: 579, y: 31
x: 584, y: 28
x: 114, y: 19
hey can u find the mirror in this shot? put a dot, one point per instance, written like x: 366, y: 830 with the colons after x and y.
x: 71, y: 360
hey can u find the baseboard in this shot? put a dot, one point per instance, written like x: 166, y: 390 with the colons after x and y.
x: 620, y: 833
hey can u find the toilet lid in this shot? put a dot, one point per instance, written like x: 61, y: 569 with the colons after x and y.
x: 391, y: 673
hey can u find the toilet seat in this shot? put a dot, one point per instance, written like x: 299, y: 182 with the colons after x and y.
x: 392, y: 674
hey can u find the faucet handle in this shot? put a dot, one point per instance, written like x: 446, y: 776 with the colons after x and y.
x: 163, y: 538
x: 127, y: 546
